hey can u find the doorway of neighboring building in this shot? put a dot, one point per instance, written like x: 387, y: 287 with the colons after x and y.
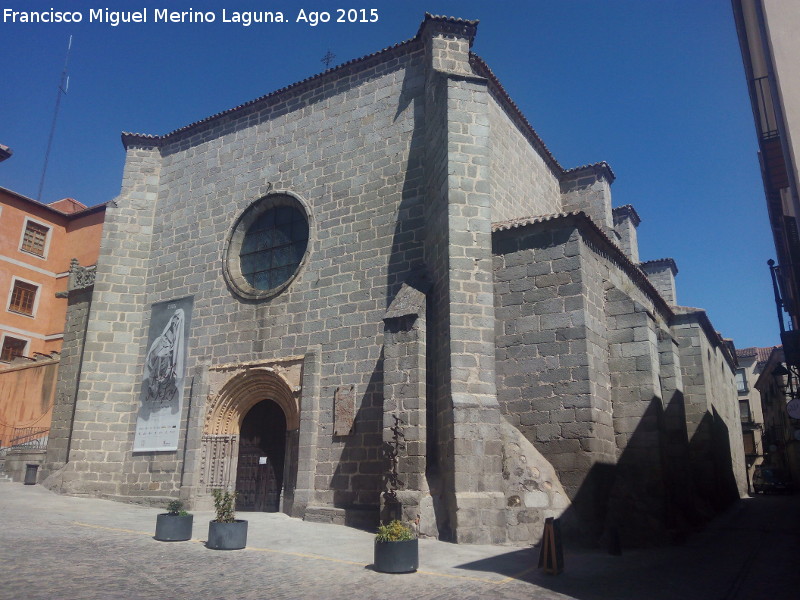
x: 262, y: 450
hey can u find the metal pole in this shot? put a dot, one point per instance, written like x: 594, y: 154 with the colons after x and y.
x: 63, y: 86
x: 776, y: 290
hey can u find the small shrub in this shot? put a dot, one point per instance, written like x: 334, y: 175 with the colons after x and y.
x: 224, y: 502
x: 175, y: 508
x: 395, y: 531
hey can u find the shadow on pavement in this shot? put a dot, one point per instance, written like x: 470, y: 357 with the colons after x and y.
x: 511, y: 564
x: 749, y: 552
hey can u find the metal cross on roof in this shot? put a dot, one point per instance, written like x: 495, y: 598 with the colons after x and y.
x: 328, y: 58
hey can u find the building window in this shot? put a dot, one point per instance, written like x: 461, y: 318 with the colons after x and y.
x: 12, y: 347
x: 741, y: 381
x: 744, y: 411
x: 749, y: 442
x: 267, y: 246
x: 273, y: 247
x: 34, y: 240
x: 23, y: 297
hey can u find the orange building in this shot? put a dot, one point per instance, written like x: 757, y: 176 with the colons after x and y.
x: 37, y: 242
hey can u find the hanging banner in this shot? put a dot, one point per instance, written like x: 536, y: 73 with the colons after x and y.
x: 161, y: 398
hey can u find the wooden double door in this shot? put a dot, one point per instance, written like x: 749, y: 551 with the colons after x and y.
x: 262, y: 450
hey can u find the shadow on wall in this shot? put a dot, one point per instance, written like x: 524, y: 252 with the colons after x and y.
x: 408, y: 261
x: 724, y: 488
x: 356, y: 463
x: 634, y: 494
x: 360, y: 464
x: 357, y: 459
x: 663, y: 486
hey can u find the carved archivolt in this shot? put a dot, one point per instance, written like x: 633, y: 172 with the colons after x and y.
x: 235, y: 389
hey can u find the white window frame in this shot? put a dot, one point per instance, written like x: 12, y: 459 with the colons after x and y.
x: 746, y: 402
x: 5, y: 335
x: 46, y: 241
x: 745, y: 387
x: 35, y: 300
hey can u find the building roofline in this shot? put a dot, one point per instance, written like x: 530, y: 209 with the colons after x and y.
x: 656, y: 262
x: 462, y: 26
x: 524, y: 221
x: 482, y: 69
x: 155, y: 141
x: 69, y: 216
x: 601, y: 168
x: 466, y: 27
x: 760, y: 353
x: 586, y: 225
x: 627, y: 210
x: 712, y: 334
x: 775, y: 356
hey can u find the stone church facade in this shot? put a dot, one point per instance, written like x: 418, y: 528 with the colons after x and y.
x: 384, y: 260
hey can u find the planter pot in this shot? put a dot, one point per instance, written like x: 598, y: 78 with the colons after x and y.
x: 227, y: 536
x: 173, y: 528
x: 396, y: 557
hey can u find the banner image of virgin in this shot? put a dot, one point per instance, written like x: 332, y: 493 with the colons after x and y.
x: 159, y: 420
x: 163, y: 364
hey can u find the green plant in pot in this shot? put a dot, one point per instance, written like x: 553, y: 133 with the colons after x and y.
x: 175, y: 525
x: 396, y: 548
x: 226, y: 532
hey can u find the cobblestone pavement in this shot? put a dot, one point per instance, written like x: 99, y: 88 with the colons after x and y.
x: 60, y: 547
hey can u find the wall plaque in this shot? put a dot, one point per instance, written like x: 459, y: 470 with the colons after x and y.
x: 344, y: 410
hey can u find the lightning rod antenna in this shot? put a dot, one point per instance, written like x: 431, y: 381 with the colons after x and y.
x: 63, y: 86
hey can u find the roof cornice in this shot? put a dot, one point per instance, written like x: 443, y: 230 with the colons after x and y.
x: 481, y: 68
x: 68, y: 216
x: 701, y: 317
x: 143, y: 140
x: 660, y: 262
x: 599, y: 169
x: 589, y: 229
x: 627, y: 210
x: 451, y: 26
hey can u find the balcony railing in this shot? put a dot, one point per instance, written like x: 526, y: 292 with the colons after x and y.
x: 767, y: 123
x: 25, y: 438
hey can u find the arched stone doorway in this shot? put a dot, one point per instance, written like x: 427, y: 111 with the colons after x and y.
x: 252, y: 409
x: 260, y: 465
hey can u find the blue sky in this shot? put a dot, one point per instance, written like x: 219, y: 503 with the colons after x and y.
x: 655, y: 88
